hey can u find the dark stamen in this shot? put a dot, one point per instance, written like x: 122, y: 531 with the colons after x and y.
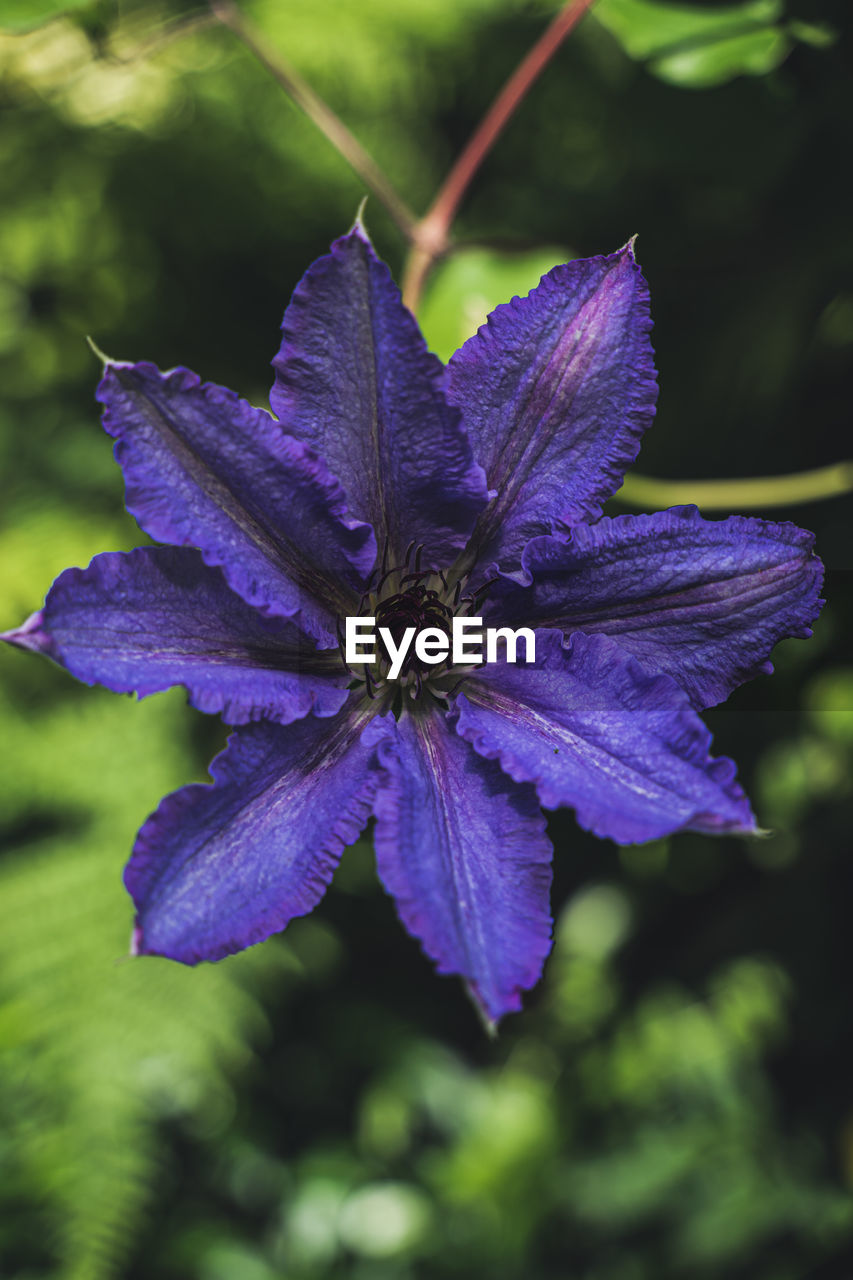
x: 419, y: 598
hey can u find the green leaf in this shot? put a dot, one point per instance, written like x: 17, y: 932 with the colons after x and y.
x: 754, y: 54
x: 467, y: 286
x: 96, y: 1051
x: 648, y: 28
x: 696, y: 47
x: 819, y: 34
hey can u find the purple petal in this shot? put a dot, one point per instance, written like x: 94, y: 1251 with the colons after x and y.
x: 593, y: 730
x: 203, y: 468
x: 703, y: 601
x: 144, y: 621
x: 463, y: 851
x: 218, y: 868
x: 555, y: 391
x: 355, y: 380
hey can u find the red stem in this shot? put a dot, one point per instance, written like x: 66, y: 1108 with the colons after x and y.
x: 431, y: 233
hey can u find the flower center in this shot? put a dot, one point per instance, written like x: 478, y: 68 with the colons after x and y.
x: 404, y: 602
x: 417, y: 605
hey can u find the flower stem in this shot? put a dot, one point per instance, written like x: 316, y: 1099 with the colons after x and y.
x: 720, y: 495
x: 309, y: 101
x: 430, y: 238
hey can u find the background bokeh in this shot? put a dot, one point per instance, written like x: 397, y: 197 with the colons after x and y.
x: 676, y: 1099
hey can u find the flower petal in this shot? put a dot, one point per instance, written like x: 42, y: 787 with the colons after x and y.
x: 555, y: 391
x: 463, y: 851
x: 203, y: 468
x: 704, y: 601
x: 355, y: 380
x: 593, y: 730
x: 218, y: 868
x: 143, y: 621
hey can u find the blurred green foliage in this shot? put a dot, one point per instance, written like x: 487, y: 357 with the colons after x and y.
x: 697, y: 47
x: 24, y: 15
x: 471, y: 283
x: 676, y: 1100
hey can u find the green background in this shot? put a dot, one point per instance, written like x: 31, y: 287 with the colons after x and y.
x: 676, y: 1100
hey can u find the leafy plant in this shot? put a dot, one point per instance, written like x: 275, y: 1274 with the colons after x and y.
x: 95, y: 1052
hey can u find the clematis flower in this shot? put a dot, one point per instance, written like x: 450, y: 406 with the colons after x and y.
x: 393, y: 488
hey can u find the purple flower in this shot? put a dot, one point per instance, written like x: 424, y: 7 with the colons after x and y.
x: 393, y: 488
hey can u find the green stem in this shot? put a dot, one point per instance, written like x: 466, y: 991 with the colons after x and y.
x: 309, y: 101
x: 722, y: 495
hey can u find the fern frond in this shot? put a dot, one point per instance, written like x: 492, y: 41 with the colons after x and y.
x: 103, y: 1047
